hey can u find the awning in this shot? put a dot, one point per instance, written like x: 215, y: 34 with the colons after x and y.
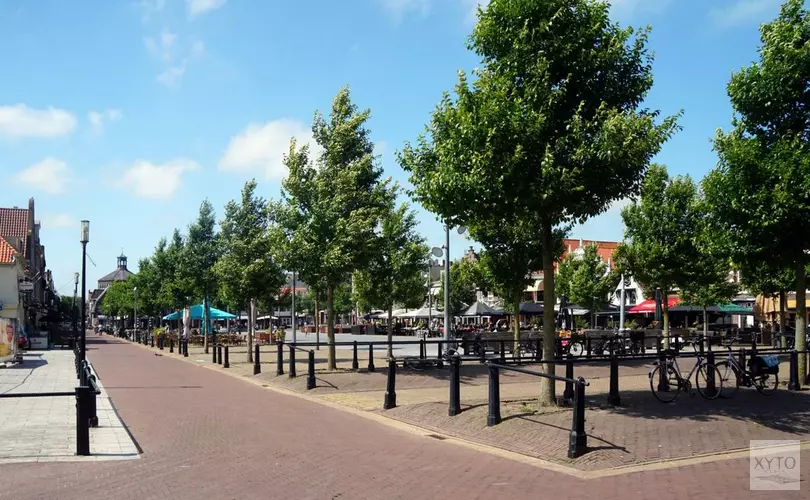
x: 481, y: 309
x: 735, y: 309
x: 648, y: 306
x: 197, y: 313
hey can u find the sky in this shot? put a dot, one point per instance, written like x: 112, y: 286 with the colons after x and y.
x: 128, y: 113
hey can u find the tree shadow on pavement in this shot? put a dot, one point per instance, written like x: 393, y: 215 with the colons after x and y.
x: 784, y: 411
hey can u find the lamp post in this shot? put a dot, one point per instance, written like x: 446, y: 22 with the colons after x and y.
x: 135, y: 294
x: 292, y: 312
x: 75, y: 307
x: 84, y: 239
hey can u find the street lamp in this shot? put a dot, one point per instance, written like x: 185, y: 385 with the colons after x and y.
x: 438, y: 253
x: 84, y: 239
x: 135, y: 294
x: 75, y: 307
x: 292, y: 312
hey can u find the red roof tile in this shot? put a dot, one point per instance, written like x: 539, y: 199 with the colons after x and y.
x: 14, y: 223
x: 6, y: 251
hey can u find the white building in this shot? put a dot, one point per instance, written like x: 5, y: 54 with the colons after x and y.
x: 12, y: 313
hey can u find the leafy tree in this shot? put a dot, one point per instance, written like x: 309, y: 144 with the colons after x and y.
x: 512, y: 251
x: 762, y: 278
x: 707, y: 281
x: 119, y: 300
x: 550, y: 131
x: 177, y: 289
x: 465, y: 277
x: 586, y: 280
x: 760, y: 190
x: 202, y: 250
x: 332, y: 207
x: 148, y: 288
x: 247, y: 268
x: 658, y: 249
x: 394, y: 275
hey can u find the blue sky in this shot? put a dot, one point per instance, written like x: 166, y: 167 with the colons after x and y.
x: 130, y: 112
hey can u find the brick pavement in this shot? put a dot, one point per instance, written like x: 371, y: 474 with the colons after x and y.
x: 206, y: 435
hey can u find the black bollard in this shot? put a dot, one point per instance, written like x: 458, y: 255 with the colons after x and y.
x: 465, y: 344
x: 311, y: 371
x: 663, y: 377
x: 807, y: 357
x: 390, y: 387
x: 613, y: 397
x: 753, y: 344
x: 355, y: 361
x: 161, y: 342
x: 171, y: 346
x: 291, y: 368
x: 558, y: 350
x: 371, y: 357
x: 494, y: 410
x: 538, y: 350
x: 280, y: 359
x: 219, y: 354
x: 483, y: 350
x: 793, y: 384
x: 503, y: 353
x: 82, y: 422
x: 422, y: 349
x: 185, y: 348
x: 92, y: 414
x: 153, y: 341
x: 711, y: 383
x: 568, y: 394
x: 214, y: 354
x: 455, y: 386
x: 587, y: 348
x: 741, y: 359
x: 226, y: 363
x: 578, y: 440
x: 257, y: 363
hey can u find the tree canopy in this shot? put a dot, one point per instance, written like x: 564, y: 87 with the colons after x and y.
x: 550, y: 131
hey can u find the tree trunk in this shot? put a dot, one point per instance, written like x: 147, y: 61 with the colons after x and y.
x: 705, y: 323
x: 665, y: 310
x: 205, y: 332
x: 782, y: 299
x: 330, y: 324
x: 251, y: 326
x: 391, y: 331
x: 801, y: 317
x: 317, y: 317
x: 548, y: 394
x: 516, y: 321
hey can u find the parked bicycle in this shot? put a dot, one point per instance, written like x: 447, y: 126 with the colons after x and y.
x: 667, y: 385
x: 762, y: 373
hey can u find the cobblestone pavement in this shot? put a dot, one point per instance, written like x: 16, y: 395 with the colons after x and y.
x: 206, y: 435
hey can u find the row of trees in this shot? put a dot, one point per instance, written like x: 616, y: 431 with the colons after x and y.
x: 551, y: 131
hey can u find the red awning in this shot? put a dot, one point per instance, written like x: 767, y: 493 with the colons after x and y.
x: 648, y: 306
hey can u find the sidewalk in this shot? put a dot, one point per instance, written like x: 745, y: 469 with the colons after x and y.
x: 43, y: 429
x: 207, y: 435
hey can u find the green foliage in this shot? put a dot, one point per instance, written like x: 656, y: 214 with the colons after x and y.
x: 201, y: 251
x: 580, y: 323
x: 118, y: 300
x: 394, y: 274
x: 331, y: 208
x: 248, y: 267
x: 658, y: 248
x: 466, y: 278
x: 586, y: 281
x: 760, y: 191
x: 550, y: 131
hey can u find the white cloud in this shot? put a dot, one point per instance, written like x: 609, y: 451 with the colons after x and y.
x: 744, y: 11
x: 50, y: 175
x: 19, y: 121
x: 261, y: 147
x: 98, y: 119
x: 198, y: 7
x: 176, y: 59
x: 162, y: 46
x: 399, y: 8
x: 160, y: 181
x: 57, y: 221
x: 150, y: 8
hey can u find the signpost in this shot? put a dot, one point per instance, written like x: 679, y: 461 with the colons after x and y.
x: 26, y: 286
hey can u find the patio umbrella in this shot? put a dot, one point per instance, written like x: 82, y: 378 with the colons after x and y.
x: 659, y: 313
x: 481, y: 309
x: 186, y: 323
x: 197, y: 313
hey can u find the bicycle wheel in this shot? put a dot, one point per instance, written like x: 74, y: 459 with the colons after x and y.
x: 705, y: 374
x: 767, y: 383
x: 730, y: 379
x: 665, y: 390
x: 576, y: 348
